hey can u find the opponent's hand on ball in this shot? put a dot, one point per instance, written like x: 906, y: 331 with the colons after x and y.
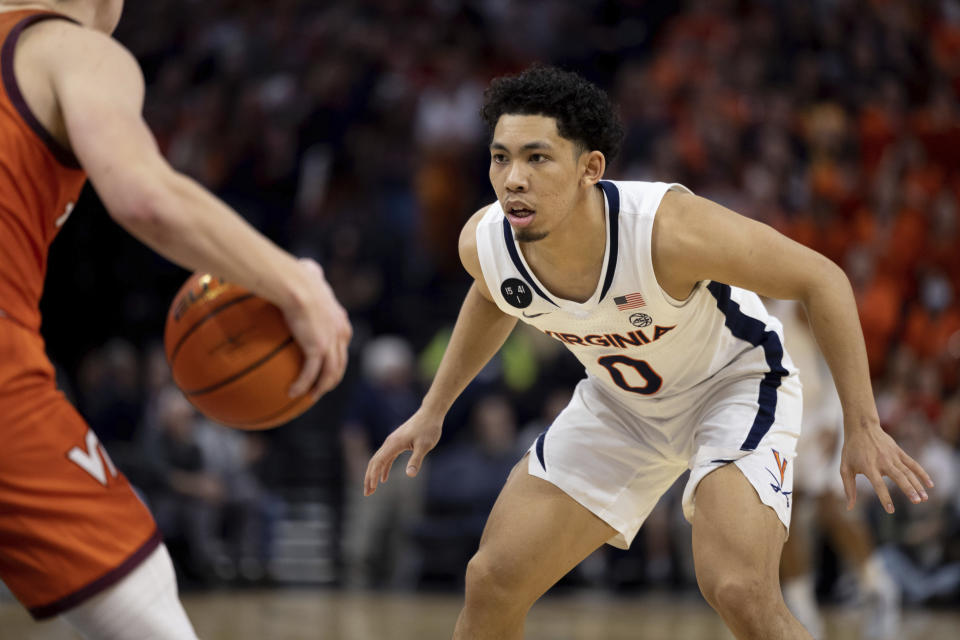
x: 320, y: 326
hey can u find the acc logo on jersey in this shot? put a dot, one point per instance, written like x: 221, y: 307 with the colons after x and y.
x: 516, y: 292
x: 641, y: 320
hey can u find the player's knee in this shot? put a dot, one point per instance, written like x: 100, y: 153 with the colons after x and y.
x: 490, y: 581
x: 741, y: 597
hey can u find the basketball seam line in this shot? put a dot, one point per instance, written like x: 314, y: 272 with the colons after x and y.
x: 242, y: 372
x: 196, y: 325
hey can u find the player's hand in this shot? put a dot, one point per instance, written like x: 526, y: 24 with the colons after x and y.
x: 419, y: 434
x: 321, y: 327
x: 870, y: 451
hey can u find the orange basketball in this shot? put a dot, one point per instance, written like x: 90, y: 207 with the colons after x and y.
x: 232, y: 354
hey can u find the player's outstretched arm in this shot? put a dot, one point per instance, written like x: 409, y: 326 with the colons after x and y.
x: 480, y: 331
x: 695, y: 239
x: 99, y: 90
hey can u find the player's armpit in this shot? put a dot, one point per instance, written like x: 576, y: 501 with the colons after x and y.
x: 696, y: 239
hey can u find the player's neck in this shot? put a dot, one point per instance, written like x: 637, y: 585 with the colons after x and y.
x: 570, y: 259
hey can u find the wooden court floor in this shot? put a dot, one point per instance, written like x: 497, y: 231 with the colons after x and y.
x: 333, y: 615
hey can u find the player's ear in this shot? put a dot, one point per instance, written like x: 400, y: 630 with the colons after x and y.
x: 592, y: 166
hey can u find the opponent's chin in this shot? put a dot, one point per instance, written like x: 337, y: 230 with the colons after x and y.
x: 529, y: 235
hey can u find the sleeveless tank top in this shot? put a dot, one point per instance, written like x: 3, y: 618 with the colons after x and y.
x: 40, y: 181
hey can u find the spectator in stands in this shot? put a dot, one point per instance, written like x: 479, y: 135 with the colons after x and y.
x: 377, y: 546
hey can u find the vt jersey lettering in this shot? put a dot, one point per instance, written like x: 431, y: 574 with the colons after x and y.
x: 617, y: 340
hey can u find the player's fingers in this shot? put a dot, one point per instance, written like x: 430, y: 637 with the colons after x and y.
x: 308, y: 374
x: 335, y: 361
x: 341, y: 348
x: 386, y: 466
x: 370, y: 477
x: 420, y: 450
x: 849, y: 486
x: 344, y: 357
x: 881, y: 488
x: 330, y: 373
x: 917, y: 469
x: 916, y: 483
x: 375, y: 468
x: 318, y: 387
x: 909, y: 485
x: 369, y: 484
x: 392, y: 447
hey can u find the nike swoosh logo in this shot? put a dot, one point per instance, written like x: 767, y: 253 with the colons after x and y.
x: 534, y: 315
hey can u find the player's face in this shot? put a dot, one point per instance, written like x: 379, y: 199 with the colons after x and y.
x: 534, y: 171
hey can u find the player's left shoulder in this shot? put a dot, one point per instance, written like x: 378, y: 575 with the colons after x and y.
x: 681, y: 239
x: 642, y: 198
x: 467, y: 245
x: 676, y: 216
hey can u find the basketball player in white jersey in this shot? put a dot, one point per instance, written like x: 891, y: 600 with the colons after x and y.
x: 818, y: 494
x: 652, y: 289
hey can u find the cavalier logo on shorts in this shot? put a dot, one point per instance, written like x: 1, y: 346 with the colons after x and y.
x: 777, y: 484
x: 516, y: 292
x: 641, y: 320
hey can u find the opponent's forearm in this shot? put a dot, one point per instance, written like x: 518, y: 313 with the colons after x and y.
x: 189, y: 226
x: 832, y: 310
x: 481, y: 330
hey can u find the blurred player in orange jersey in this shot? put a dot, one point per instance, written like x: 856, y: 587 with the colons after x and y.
x: 74, y: 538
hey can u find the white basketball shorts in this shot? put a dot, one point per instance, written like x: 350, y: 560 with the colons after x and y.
x: 616, y: 462
x: 818, y: 453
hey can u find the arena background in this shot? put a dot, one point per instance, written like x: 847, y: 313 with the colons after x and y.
x: 349, y: 131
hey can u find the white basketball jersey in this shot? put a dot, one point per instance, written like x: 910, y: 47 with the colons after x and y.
x: 638, y: 343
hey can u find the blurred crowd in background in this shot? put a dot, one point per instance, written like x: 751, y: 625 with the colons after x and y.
x: 349, y: 131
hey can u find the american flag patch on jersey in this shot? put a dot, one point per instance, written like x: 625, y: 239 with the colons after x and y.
x: 629, y: 301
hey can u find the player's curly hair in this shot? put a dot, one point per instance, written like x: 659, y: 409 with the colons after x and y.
x: 582, y: 110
